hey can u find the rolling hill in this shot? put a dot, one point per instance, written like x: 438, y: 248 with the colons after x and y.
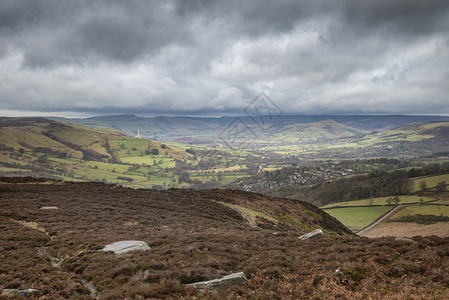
x: 67, y: 139
x: 405, y: 142
x: 316, y: 132
x: 173, y: 128
x: 43, y: 147
x: 408, y: 140
x: 207, y: 130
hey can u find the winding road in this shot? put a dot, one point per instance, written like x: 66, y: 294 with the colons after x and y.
x: 389, y: 213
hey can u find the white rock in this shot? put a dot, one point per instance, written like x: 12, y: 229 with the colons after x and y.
x: 49, y: 207
x: 222, y: 283
x: 312, y: 235
x: 404, y: 239
x: 126, y: 246
x: 337, y: 272
x: 24, y: 293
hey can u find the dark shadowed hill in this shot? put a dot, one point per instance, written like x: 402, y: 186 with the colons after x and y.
x: 206, y: 129
x: 194, y: 236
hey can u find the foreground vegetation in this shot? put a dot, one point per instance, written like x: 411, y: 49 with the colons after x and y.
x: 200, y: 240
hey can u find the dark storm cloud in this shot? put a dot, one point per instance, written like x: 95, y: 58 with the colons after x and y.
x: 195, y: 56
x: 61, y: 32
x: 400, y: 16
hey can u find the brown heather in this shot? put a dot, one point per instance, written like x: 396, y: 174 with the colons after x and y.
x: 198, y: 242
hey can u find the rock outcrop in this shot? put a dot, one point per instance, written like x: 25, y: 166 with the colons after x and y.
x: 220, y: 284
x: 317, y: 233
x: 49, y: 207
x: 21, y: 293
x: 126, y: 246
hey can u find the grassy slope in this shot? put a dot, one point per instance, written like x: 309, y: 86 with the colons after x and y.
x: 314, y: 132
x: 379, y: 201
x: 405, y: 141
x: 358, y: 217
x: 431, y: 181
x: 74, y: 141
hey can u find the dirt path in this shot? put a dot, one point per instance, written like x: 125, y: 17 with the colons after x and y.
x: 241, y: 212
x: 389, y: 213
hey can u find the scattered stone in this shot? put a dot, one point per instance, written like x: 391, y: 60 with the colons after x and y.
x: 23, y: 293
x: 221, y: 284
x: 404, y: 239
x: 312, y: 235
x: 337, y: 272
x: 49, y: 207
x: 126, y: 246
x: 92, y: 289
x: 56, y: 262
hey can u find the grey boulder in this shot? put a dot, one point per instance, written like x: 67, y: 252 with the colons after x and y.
x: 49, y: 207
x: 23, y: 293
x: 220, y: 284
x: 403, y: 239
x: 312, y: 235
x: 126, y: 246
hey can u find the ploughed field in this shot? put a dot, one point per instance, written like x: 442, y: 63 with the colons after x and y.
x: 196, y: 236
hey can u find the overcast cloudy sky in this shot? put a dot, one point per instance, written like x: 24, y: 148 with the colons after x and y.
x: 192, y: 57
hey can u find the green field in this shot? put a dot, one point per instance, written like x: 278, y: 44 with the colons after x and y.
x: 6, y: 169
x: 356, y: 218
x: 431, y: 181
x: 379, y: 201
x: 437, y: 210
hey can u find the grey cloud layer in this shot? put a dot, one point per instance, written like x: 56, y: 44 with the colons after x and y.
x: 192, y: 56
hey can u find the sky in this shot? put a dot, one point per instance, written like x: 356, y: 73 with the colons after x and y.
x: 209, y: 57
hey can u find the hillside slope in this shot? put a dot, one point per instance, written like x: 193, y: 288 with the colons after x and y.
x: 130, y: 123
x: 198, y: 238
x: 315, y: 132
x: 412, y: 139
x: 417, y: 139
x: 65, y: 139
x: 43, y: 147
x: 280, y: 130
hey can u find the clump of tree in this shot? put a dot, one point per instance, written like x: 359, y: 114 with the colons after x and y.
x: 422, y: 219
x: 123, y: 178
x: 42, y: 159
x: 423, y: 186
x: 441, y: 187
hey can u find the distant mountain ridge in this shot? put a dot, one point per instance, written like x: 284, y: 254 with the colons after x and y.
x: 292, y: 128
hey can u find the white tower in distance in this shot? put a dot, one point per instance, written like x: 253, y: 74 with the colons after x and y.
x: 138, y: 134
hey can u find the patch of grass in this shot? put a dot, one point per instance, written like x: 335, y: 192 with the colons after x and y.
x: 314, y: 215
x: 290, y: 220
x: 431, y: 181
x: 357, y: 217
x: 6, y: 169
x: 378, y: 201
x: 253, y: 214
